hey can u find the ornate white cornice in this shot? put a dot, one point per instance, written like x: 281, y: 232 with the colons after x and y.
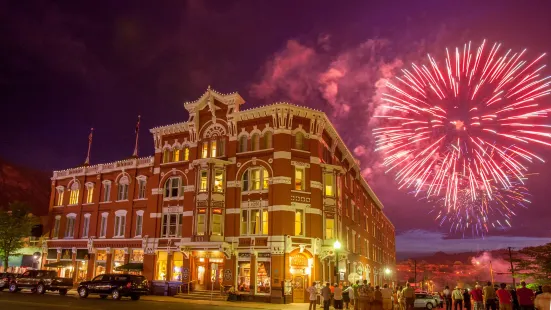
x: 121, y: 165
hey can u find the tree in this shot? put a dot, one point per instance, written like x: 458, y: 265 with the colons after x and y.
x: 15, y: 225
x: 534, y: 262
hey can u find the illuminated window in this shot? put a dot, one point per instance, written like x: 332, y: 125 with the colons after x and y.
x: 245, y: 181
x: 255, y: 142
x: 216, y: 222
x: 70, y: 226
x: 268, y: 140
x: 166, y: 156
x: 299, y: 178
x: 73, y: 197
x: 299, y: 222
x: 299, y: 141
x: 205, y: 150
x: 89, y: 193
x: 219, y: 180
x: 176, y: 155
x: 329, y: 228
x: 265, y: 178
x: 201, y: 223
x: 171, y: 225
x: 243, y: 144
x: 255, y: 179
x: 329, y: 182
x: 204, y: 181
x: 213, y: 148
x: 172, y: 187
x: 265, y: 222
x: 244, y: 222
x: 60, y: 192
x: 254, y: 227
x: 186, y: 153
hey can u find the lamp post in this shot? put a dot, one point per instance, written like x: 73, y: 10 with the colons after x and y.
x: 336, y: 246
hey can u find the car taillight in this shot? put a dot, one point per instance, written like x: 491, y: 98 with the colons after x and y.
x: 129, y: 284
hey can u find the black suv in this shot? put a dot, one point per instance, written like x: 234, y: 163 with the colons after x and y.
x: 5, y: 279
x: 115, y: 285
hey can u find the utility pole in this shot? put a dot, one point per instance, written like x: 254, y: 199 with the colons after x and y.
x: 512, y: 268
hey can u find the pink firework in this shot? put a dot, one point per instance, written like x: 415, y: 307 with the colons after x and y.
x: 469, y: 124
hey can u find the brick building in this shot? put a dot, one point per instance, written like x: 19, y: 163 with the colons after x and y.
x: 248, y: 198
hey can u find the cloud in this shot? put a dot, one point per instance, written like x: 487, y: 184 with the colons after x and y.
x: 423, y: 241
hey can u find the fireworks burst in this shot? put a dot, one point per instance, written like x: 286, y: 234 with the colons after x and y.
x: 463, y: 132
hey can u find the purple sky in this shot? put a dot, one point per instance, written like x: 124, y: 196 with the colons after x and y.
x: 68, y: 66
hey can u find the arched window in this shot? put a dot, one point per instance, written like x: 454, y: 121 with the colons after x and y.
x: 255, y: 142
x: 176, y: 155
x: 166, y: 156
x: 299, y: 141
x: 268, y: 140
x: 254, y: 179
x: 172, y: 187
x: 186, y: 153
x: 75, y: 189
x: 243, y: 144
x: 89, y: 192
x: 123, y: 188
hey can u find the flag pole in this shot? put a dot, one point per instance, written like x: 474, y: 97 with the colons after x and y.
x: 135, y: 154
x: 87, y: 161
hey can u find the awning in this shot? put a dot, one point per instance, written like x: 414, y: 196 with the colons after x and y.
x: 59, y: 264
x: 130, y: 267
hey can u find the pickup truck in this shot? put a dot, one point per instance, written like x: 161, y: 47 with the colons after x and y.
x: 41, y: 281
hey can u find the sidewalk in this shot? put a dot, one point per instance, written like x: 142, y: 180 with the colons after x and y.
x: 232, y: 304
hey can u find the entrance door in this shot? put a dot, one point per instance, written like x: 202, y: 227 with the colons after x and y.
x: 298, y: 288
x: 200, y: 277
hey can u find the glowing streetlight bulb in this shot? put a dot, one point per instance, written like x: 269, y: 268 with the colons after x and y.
x: 337, y: 245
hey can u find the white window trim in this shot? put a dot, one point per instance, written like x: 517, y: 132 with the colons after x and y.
x: 106, y: 216
x: 58, y: 222
x: 262, y: 177
x: 122, y: 215
x: 303, y: 222
x: 249, y: 210
x: 139, y: 213
x: 180, y: 193
x: 106, y: 183
x: 86, y: 216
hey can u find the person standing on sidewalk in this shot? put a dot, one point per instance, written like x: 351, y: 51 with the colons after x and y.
x: 489, y: 296
x: 337, y: 296
x: 387, y: 297
x: 312, y: 290
x: 476, y: 295
x: 348, y: 297
x: 505, y: 298
x: 409, y: 295
x: 525, y: 297
x: 457, y: 298
x: 326, y: 295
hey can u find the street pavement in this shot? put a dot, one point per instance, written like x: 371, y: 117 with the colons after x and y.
x: 25, y: 300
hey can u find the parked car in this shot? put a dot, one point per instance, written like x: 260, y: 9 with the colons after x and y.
x: 5, y: 279
x: 115, y: 285
x: 439, y: 300
x: 424, y: 301
x: 41, y: 281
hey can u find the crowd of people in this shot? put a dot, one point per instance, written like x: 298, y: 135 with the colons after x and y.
x: 364, y: 296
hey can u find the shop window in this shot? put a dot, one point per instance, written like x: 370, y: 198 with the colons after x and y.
x: 101, y: 262
x: 120, y: 225
x: 70, y: 227
x: 201, y: 221
x: 176, y: 155
x: 244, y: 276
x: 172, y: 187
x: 57, y: 222
x: 299, y: 222
x: 166, y: 156
x: 217, y: 221
x: 73, y: 197
x: 329, y: 183
x: 103, y: 226
x: 86, y: 225
x: 171, y: 225
x: 213, y: 145
x: 329, y: 228
x: 219, y: 180
x: 204, y: 181
x: 136, y: 256
x: 263, y: 277
x: 177, y: 263
x: 186, y: 153
x: 118, y: 260
x: 139, y: 224
x: 255, y: 142
x: 205, y: 150
x: 299, y: 141
x: 299, y: 178
x: 268, y: 140
x: 107, y: 191
x: 60, y: 192
x: 161, y: 266
x: 89, y: 193
x: 141, y: 188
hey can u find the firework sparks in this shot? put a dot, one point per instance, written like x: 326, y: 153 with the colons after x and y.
x: 462, y: 132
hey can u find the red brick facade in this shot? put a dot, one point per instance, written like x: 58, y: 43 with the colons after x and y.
x: 259, y: 195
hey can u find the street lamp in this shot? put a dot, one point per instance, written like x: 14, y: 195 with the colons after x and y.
x: 336, y: 246
x: 387, y: 271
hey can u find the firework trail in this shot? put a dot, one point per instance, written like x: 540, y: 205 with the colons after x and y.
x: 463, y: 132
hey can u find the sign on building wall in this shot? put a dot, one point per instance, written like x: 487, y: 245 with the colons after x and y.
x: 227, y: 275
